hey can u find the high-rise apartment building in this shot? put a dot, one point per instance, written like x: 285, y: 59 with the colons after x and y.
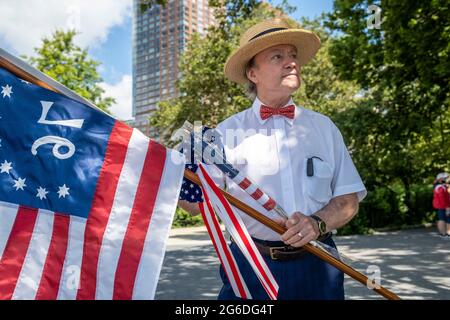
x: 159, y: 36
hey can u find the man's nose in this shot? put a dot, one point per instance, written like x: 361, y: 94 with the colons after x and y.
x: 291, y: 63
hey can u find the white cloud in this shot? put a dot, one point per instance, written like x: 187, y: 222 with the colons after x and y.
x: 24, y: 23
x: 122, y: 92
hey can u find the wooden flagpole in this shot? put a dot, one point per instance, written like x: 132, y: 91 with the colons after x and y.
x: 308, y: 247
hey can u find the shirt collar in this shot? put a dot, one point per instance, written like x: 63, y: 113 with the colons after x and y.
x: 257, y: 106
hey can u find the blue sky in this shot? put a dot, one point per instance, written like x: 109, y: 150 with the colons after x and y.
x: 105, y: 28
x: 309, y: 8
x: 115, y: 53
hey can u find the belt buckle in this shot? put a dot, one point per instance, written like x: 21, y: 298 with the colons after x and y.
x: 272, y: 249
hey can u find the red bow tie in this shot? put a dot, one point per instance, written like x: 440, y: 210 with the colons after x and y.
x: 266, y: 112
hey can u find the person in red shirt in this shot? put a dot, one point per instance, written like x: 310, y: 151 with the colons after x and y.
x: 441, y: 202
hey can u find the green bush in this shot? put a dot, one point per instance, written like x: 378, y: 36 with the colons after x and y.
x: 423, y: 198
x: 385, y: 207
x: 358, y: 225
x: 184, y: 219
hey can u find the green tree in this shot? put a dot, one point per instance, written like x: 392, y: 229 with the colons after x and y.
x: 321, y: 89
x: 62, y: 60
x: 145, y: 5
x: 399, y: 128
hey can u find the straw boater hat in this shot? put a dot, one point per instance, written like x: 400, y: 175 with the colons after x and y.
x: 264, y: 35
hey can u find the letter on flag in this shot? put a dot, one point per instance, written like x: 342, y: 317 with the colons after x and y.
x: 86, y: 202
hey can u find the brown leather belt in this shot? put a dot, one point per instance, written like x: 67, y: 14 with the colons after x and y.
x: 276, y: 250
x: 282, y: 253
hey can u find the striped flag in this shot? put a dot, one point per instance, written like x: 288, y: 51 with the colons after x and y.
x: 216, y: 202
x: 86, y: 202
x: 223, y: 251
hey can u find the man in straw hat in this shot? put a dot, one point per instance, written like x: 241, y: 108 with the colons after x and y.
x: 297, y: 156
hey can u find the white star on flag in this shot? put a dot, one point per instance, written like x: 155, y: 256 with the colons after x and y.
x: 41, y: 193
x: 5, y: 167
x: 7, y: 90
x: 63, y: 191
x: 19, y: 184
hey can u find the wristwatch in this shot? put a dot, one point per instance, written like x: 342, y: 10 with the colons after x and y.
x: 321, y: 224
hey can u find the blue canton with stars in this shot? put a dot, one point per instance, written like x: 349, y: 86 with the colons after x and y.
x: 51, y: 148
x: 190, y: 191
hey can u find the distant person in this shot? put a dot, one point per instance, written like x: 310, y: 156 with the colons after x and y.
x: 441, y: 202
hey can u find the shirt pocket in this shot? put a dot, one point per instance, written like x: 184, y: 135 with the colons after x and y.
x: 318, y: 186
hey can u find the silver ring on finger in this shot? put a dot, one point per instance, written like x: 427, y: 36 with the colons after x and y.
x: 300, y: 235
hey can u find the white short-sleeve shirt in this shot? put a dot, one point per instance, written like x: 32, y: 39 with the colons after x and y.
x: 273, y: 153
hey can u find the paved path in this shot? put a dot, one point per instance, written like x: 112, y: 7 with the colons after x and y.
x: 415, y: 264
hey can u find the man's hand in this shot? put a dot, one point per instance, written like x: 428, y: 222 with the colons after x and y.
x: 301, y: 230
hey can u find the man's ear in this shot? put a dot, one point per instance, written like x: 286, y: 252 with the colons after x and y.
x: 251, y: 75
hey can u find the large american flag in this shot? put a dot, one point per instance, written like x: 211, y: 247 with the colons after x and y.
x: 86, y: 202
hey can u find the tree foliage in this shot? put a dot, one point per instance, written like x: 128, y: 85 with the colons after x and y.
x: 145, y: 5
x: 62, y: 60
x: 405, y: 69
x: 321, y: 89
